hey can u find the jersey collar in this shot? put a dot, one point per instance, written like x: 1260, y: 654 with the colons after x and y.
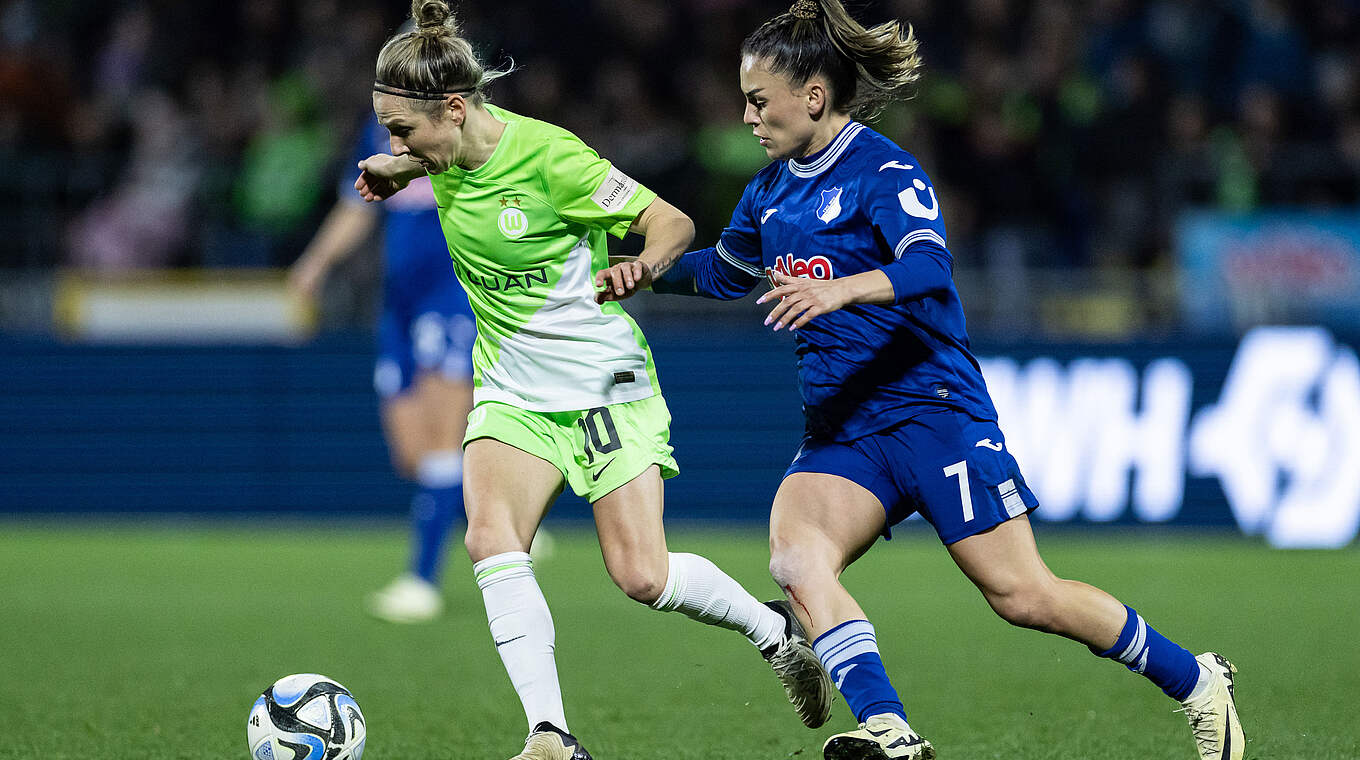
x: 823, y: 159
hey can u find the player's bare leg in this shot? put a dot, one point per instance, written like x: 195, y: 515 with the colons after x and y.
x: 408, y: 598
x: 633, y: 538
x: 1005, y: 565
x: 819, y: 525
x: 633, y: 541
x: 424, y: 429
x: 507, y: 492
x: 430, y: 416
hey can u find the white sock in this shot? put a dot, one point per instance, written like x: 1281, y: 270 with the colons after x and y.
x: 522, y: 628
x: 1206, y: 677
x: 697, y: 589
x: 440, y: 469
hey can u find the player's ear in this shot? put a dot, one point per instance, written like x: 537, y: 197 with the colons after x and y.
x: 815, y: 96
x: 455, y: 107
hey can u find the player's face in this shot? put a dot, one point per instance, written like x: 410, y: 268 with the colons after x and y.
x: 776, y: 112
x: 433, y: 141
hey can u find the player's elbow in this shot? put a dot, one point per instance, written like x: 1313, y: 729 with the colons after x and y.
x: 686, y: 226
x: 663, y: 223
x: 679, y: 230
x: 675, y: 220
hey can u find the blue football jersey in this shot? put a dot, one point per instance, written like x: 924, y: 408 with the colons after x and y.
x: 860, y: 204
x: 415, y: 254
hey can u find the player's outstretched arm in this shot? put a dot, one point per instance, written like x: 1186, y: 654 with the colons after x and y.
x: 382, y: 176
x: 668, y: 231
x: 801, y: 298
x: 346, y: 226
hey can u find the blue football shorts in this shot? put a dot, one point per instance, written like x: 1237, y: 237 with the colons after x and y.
x: 951, y: 468
x: 431, y: 333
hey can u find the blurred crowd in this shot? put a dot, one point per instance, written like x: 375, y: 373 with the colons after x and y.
x: 1061, y: 133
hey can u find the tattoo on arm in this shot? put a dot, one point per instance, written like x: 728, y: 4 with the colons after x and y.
x: 666, y: 262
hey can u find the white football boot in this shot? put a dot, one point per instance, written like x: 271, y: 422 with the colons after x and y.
x: 805, y: 681
x: 1213, y: 714
x: 548, y: 742
x: 881, y: 737
x: 408, y: 599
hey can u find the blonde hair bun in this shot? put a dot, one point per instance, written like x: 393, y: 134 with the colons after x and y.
x: 433, y: 14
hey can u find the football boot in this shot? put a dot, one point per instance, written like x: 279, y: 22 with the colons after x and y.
x: 407, y: 599
x: 548, y: 742
x: 1213, y: 714
x: 805, y: 681
x: 881, y: 737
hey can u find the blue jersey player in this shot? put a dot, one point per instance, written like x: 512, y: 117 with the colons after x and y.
x: 424, y: 368
x: 847, y: 228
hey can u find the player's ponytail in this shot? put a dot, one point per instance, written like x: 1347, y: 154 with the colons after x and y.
x: 431, y: 60
x: 867, y: 68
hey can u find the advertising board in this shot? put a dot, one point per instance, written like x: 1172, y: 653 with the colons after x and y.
x: 1109, y: 437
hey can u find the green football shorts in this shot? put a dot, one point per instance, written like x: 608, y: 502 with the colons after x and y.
x: 597, y: 450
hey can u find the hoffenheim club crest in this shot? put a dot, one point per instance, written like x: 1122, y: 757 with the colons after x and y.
x: 830, y: 207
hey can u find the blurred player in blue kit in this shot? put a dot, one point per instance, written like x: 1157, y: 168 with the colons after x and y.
x: 846, y: 226
x: 423, y: 373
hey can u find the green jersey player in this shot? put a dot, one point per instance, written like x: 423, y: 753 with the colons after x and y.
x: 564, y: 384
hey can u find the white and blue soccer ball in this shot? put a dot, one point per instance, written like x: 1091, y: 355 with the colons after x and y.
x: 306, y: 717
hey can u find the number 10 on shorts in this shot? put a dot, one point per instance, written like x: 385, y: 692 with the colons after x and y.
x: 590, y: 427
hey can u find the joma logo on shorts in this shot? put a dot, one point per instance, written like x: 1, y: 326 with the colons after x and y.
x: 498, y: 283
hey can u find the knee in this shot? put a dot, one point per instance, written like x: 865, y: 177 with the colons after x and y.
x: 487, y: 540
x: 1033, y: 606
x: 794, y: 565
x: 641, y: 584
x: 784, y: 570
x: 478, y: 543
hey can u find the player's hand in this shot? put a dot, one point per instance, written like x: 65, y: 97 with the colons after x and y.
x: 625, y: 276
x: 382, y: 176
x: 800, y: 299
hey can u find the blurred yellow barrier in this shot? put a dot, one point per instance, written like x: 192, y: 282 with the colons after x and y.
x: 182, y: 306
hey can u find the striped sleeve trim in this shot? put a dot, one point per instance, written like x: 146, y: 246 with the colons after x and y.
x: 744, y: 266
x: 917, y: 236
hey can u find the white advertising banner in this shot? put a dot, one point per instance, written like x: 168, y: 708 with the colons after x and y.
x: 1101, y: 439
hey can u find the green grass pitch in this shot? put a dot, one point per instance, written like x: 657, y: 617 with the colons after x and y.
x: 152, y: 641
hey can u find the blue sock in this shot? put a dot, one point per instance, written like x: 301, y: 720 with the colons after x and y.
x: 1154, y: 656
x: 433, y: 511
x: 849, y: 652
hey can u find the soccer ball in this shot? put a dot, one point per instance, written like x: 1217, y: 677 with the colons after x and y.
x: 306, y: 717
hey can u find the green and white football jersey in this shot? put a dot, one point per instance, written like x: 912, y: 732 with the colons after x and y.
x: 526, y: 231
